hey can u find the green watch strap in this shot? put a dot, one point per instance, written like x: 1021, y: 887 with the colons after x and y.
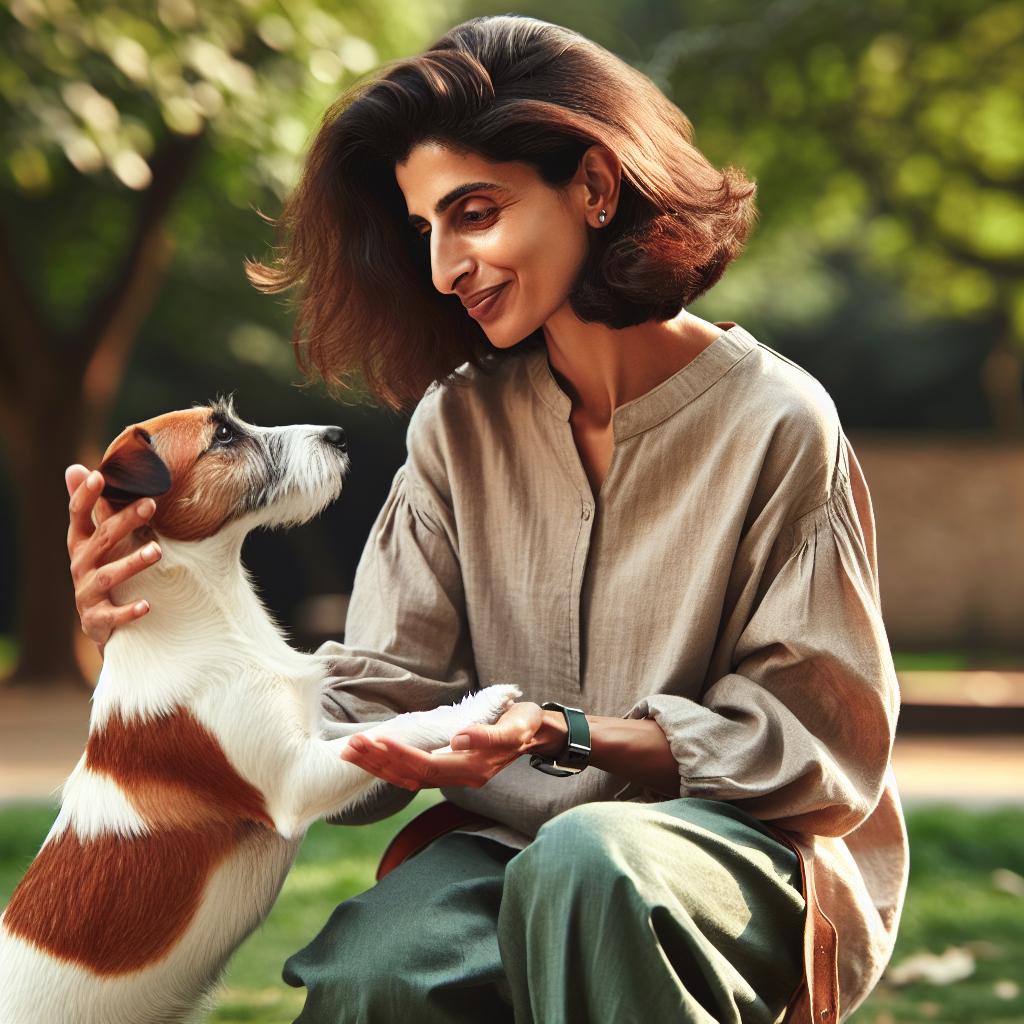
x: 575, y: 756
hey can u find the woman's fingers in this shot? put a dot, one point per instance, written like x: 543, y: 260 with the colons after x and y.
x: 83, y: 499
x: 413, y: 768
x: 106, y: 577
x: 99, y: 621
x: 121, y: 524
x: 74, y: 476
x: 516, y: 727
x: 88, y: 547
x: 366, y: 755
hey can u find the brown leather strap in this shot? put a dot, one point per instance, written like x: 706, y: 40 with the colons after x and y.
x: 427, y: 826
x: 816, y: 998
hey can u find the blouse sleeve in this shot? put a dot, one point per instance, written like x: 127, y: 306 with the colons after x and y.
x: 800, y: 733
x: 406, y: 644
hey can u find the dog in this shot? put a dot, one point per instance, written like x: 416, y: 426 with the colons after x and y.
x: 207, y: 756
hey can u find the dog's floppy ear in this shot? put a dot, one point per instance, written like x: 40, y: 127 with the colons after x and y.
x: 132, y: 470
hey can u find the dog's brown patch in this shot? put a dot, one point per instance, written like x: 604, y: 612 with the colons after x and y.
x: 206, y: 486
x: 116, y: 905
x: 198, y: 503
x: 203, y: 492
x: 113, y: 904
x: 178, y: 757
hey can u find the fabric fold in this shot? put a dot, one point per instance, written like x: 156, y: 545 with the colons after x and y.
x: 801, y: 732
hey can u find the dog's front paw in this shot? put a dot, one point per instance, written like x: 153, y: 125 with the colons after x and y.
x: 430, y: 730
x: 489, y: 704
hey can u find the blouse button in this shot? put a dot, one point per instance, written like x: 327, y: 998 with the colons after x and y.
x: 586, y: 511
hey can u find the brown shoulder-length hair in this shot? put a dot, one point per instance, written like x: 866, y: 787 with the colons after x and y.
x: 509, y: 88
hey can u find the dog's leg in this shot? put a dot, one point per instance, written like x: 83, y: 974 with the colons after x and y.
x: 321, y: 783
x: 434, y: 729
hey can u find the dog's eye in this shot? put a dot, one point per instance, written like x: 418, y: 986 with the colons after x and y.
x: 224, y: 434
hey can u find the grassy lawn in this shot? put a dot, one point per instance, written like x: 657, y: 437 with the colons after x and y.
x: 953, y: 901
x: 958, y: 661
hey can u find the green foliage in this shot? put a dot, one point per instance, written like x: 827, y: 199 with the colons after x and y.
x: 890, y: 129
x: 93, y: 87
x: 92, y: 95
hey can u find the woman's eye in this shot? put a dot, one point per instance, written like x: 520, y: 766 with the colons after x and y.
x: 470, y: 216
x: 474, y: 216
x: 224, y: 434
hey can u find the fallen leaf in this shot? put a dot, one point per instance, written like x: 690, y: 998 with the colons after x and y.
x: 954, y: 964
x: 1006, y: 989
x: 1008, y: 881
x: 985, y: 950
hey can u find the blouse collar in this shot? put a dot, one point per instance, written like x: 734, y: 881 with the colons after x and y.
x: 666, y: 398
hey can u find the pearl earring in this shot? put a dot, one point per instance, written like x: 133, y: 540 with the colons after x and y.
x: 601, y: 216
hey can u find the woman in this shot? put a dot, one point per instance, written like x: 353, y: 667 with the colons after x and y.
x: 616, y: 505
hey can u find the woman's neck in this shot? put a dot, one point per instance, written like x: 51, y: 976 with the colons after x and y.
x: 601, y: 368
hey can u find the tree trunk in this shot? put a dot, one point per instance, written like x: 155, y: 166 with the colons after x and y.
x: 47, y: 613
x: 55, y: 397
x: 1002, y: 379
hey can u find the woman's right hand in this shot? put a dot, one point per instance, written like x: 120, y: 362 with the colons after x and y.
x: 105, y: 555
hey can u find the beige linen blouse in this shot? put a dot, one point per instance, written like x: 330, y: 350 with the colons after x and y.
x: 723, y: 582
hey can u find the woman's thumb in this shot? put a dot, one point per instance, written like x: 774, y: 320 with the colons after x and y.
x: 472, y: 737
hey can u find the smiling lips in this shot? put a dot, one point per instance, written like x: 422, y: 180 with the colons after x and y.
x: 482, y: 302
x: 477, y: 297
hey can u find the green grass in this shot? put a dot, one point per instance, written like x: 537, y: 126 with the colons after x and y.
x: 8, y: 652
x: 958, y: 661
x: 951, y: 901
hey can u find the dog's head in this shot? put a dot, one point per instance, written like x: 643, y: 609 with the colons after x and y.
x: 206, y: 467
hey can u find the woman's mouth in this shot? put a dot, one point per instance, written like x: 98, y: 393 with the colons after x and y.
x: 482, y: 310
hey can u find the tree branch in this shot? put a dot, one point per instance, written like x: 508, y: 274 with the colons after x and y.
x: 170, y: 169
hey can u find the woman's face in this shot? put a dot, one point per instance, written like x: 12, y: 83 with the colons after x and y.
x: 511, y: 229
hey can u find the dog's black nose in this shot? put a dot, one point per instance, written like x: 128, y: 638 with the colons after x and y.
x: 336, y: 436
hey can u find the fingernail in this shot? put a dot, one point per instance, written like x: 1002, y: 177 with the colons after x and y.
x: 460, y: 743
x: 140, y: 607
x: 150, y: 552
x: 94, y: 480
x: 146, y: 508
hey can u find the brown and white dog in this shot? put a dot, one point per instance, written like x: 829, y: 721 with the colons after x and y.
x: 207, y: 757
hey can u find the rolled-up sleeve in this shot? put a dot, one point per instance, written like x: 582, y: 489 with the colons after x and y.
x: 800, y: 732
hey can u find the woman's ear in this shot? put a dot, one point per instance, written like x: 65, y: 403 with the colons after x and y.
x: 132, y: 470
x: 600, y: 172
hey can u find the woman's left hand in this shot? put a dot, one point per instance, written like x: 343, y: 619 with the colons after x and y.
x: 479, y: 752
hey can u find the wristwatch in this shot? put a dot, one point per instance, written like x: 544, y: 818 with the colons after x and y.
x: 575, y: 756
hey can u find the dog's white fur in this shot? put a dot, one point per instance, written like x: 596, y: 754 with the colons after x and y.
x: 209, y: 646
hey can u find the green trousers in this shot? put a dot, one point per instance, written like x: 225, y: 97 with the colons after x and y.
x: 687, y: 910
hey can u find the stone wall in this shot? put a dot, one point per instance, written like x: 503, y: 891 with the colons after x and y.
x: 949, y: 512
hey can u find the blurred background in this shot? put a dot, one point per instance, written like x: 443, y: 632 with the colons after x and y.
x: 141, y: 141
